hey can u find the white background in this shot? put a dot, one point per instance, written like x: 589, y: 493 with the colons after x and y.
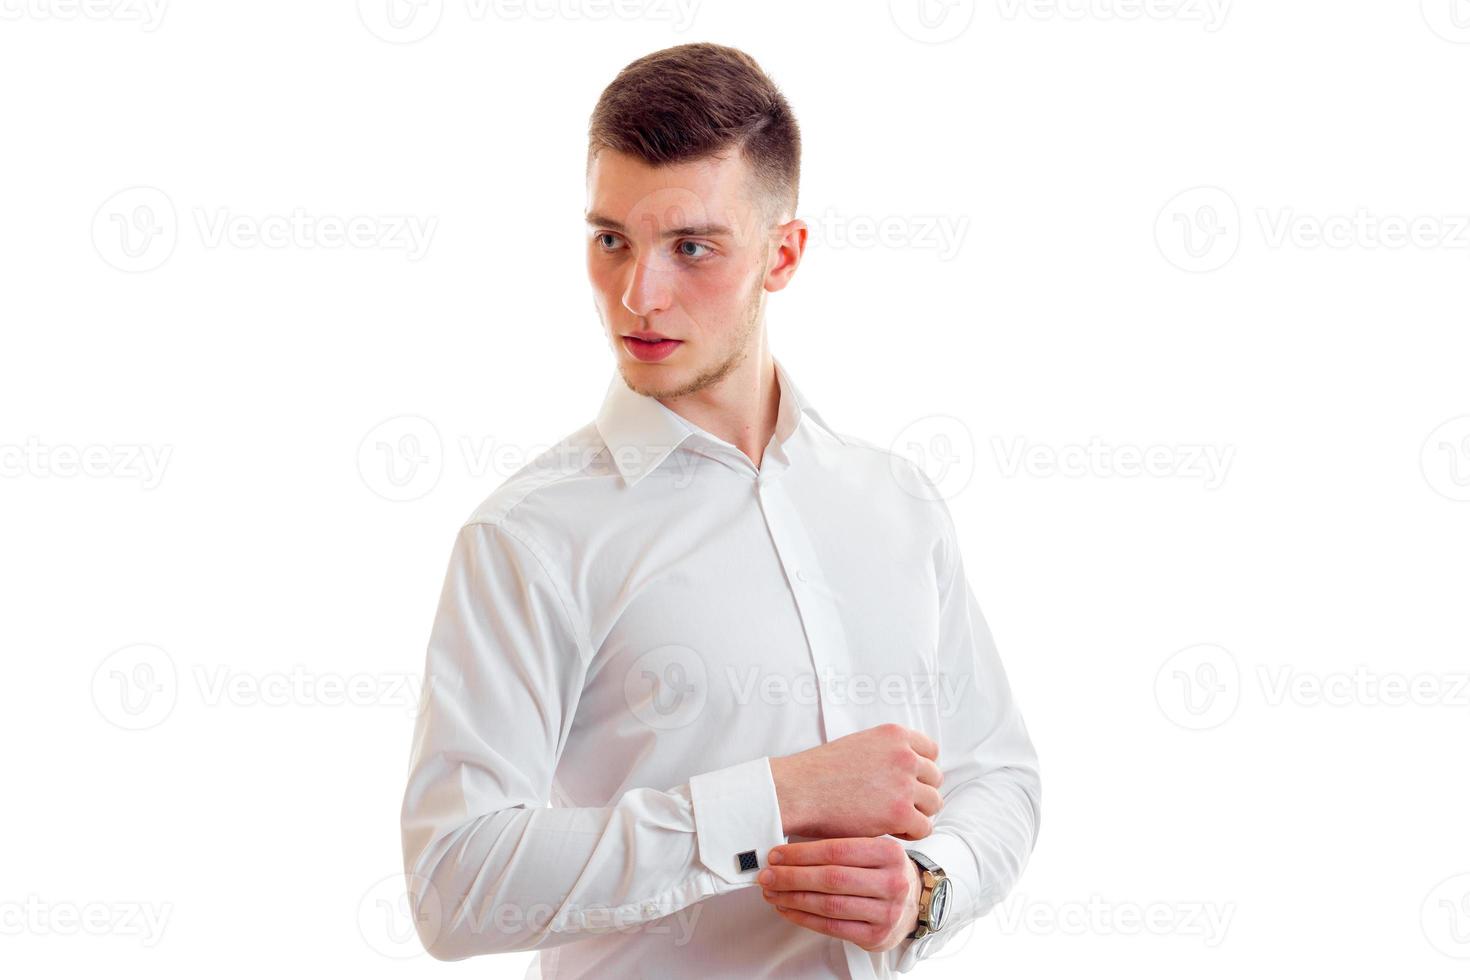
x: 1081, y: 235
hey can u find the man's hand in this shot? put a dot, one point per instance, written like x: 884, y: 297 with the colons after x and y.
x: 881, y: 780
x: 861, y: 889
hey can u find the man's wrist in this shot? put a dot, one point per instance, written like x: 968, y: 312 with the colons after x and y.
x: 916, y: 888
x: 788, y: 798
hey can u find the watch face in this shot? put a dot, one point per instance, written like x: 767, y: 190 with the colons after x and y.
x: 939, y: 904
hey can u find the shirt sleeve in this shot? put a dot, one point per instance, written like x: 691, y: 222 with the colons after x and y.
x: 984, y: 834
x: 490, y: 866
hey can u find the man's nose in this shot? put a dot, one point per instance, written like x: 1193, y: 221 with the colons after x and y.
x: 648, y: 290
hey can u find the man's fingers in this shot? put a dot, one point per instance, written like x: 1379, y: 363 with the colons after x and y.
x: 929, y: 773
x: 855, y: 932
x: 918, y: 826
x: 834, y: 879
x: 927, y: 800
x: 853, y: 907
x: 854, y: 852
x: 923, y: 744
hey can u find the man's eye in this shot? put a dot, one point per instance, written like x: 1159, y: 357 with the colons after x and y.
x: 684, y: 246
x: 607, y: 240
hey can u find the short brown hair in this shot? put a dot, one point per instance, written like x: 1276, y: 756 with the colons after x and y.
x: 694, y: 101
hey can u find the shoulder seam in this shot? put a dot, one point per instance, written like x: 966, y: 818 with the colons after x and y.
x: 859, y: 443
x: 548, y: 479
x: 574, y: 623
x: 950, y: 531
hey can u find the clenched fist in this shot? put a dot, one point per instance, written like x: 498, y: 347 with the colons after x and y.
x: 878, y: 781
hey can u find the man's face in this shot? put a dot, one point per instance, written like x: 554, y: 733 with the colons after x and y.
x: 684, y: 252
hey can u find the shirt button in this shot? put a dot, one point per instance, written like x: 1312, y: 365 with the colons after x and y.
x: 801, y: 575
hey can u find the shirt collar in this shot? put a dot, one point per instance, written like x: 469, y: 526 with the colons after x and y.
x: 641, y: 432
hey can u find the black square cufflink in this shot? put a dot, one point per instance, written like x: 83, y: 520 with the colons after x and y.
x: 748, y: 861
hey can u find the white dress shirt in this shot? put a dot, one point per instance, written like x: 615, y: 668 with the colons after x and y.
x: 630, y: 628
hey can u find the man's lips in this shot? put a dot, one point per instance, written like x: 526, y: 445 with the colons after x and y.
x: 649, y: 346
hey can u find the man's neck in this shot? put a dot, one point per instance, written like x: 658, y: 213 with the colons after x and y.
x: 741, y: 408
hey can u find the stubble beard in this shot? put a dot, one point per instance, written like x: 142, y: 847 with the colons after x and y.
x: 736, y: 355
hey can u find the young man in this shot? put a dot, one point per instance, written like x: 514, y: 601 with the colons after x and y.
x: 735, y: 650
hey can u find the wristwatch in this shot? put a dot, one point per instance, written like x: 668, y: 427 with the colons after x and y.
x: 933, y: 898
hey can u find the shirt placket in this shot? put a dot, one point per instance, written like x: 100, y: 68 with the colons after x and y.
x: 816, y: 603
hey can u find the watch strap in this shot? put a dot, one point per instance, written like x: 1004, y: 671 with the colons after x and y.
x: 929, y: 875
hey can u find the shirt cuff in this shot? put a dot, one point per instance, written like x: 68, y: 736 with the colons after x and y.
x: 737, y: 818
x: 958, y: 861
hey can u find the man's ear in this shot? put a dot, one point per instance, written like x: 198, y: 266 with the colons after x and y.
x: 790, y: 242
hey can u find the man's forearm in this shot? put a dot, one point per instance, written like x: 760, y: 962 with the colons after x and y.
x: 523, y: 878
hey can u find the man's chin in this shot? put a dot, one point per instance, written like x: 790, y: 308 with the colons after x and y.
x: 656, y: 380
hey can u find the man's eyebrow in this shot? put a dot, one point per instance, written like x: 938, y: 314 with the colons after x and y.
x: 687, y: 231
